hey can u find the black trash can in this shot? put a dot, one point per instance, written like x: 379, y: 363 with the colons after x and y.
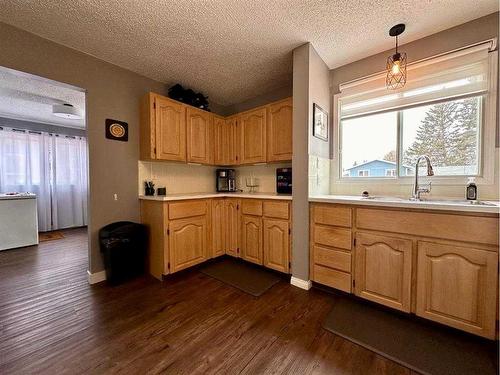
x: 123, y: 245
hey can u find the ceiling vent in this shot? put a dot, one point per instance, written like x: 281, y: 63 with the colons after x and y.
x: 66, y: 111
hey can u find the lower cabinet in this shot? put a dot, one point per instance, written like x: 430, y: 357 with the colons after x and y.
x: 439, y: 266
x: 276, y: 244
x: 232, y: 226
x: 218, y: 227
x: 383, y: 270
x: 251, y: 239
x: 457, y: 286
x: 188, y: 239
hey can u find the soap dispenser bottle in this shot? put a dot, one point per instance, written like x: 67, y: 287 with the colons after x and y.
x: 471, y: 190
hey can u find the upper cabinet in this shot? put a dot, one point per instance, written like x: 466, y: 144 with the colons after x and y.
x: 226, y: 140
x: 163, y: 129
x: 279, y: 131
x: 253, y: 136
x: 199, y: 136
x: 174, y: 131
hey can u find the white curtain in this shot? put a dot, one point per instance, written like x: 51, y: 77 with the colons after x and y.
x: 54, y: 167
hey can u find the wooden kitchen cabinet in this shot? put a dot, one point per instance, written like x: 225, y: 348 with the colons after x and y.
x: 199, y: 136
x: 457, y: 286
x: 226, y: 140
x: 219, y: 223
x: 163, y: 129
x: 232, y: 227
x: 276, y: 244
x: 253, y: 136
x: 279, y: 131
x: 251, y: 239
x: 188, y: 239
x: 383, y: 270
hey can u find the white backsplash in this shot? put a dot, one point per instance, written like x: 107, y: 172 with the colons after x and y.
x: 188, y: 178
x: 265, y: 175
x: 319, y: 175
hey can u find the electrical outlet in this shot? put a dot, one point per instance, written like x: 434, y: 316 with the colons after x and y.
x: 115, y: 197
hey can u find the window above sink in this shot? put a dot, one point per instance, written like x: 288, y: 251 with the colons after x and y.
x: 446, y: 111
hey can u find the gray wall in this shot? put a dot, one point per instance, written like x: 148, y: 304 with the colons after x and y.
x: 300, y: 161
x: 112, y: 92
x: 40, y: 127
x: 310, y: 85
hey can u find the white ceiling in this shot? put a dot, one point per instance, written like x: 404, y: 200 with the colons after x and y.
x: 27, y: 97
x: 233, y: 50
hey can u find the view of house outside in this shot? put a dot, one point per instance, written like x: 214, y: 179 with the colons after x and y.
x: 447, y: 132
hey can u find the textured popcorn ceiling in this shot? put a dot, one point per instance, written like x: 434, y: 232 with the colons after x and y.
x: 26, y: 97
x: 232, y: 50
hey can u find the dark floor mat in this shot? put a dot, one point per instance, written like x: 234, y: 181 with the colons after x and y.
x: 247, y: 277
x: 420, y: 346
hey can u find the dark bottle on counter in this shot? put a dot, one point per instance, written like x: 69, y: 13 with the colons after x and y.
x: 471, y: 190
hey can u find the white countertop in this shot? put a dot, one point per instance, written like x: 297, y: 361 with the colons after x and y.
x: 4, y: 196
x: 445, y: 204
x: 179, y: 197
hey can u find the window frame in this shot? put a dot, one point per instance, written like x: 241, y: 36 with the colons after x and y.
x: 486, y: 151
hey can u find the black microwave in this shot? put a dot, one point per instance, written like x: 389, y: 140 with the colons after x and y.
x: 284, y: 180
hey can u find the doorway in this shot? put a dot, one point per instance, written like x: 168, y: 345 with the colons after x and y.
x: 43, y: 160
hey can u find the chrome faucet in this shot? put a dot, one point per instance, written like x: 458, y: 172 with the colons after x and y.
x: 417, y: 189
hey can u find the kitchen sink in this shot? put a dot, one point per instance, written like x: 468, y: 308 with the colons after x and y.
x: 431, y: 201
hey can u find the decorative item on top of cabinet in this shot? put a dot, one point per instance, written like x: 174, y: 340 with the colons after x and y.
x: 383, y: 270
x: 163, y: 129
x: 253, y: 136
x: 280, y: 130
x: 199, y: 136
x: 457, y: 286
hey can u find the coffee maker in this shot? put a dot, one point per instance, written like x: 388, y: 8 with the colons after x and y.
x: 225, y: 180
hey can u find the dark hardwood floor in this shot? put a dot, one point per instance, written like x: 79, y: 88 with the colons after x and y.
x: 53, y: 322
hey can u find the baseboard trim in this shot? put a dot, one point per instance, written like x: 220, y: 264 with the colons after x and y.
x: 302, y: 284
x: 97, y: 277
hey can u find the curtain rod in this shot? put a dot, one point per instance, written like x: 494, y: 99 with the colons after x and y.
x: 40, y: 133
x: 491, y: 41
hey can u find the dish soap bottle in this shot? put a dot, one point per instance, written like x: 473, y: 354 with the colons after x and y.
x: 471, y: 190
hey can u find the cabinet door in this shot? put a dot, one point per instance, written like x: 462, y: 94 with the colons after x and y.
x: 279, y: 131
x: 276, y: 244
x: 170, y: 124
x: 457, y: 286
x: 383, y: 270
x: 220, y: 141
x: 251, y: 238
x: 187, y: 242
x: 199, y: 136
x: 219, y: 224
x: 232, y: 220
x: 232, y: 140
x: 253, y: 136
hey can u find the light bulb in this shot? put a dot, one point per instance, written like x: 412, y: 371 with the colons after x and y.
x: 396, y: 68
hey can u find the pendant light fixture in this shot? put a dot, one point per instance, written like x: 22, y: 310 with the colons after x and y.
x: 396, y: 64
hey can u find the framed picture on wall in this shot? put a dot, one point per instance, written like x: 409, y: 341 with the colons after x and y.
x: 320, y: 123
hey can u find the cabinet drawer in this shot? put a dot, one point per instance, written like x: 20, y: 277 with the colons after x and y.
x: 340, y: 260
x: 477, y: 229
x: 276, y: 209
x: 330, y: 214
x: 332, y: 236
x: 251, y: 207
x: 333, y: 278
x: 180, y: 210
